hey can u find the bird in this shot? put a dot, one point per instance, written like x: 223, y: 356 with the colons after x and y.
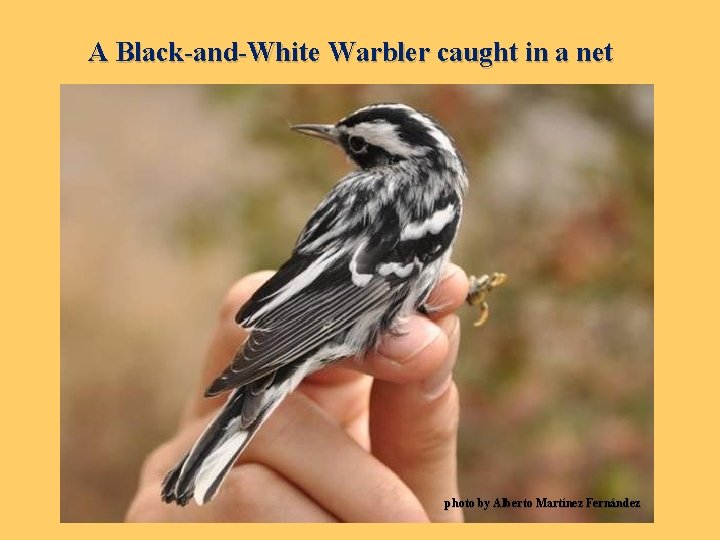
x: 367, y: 258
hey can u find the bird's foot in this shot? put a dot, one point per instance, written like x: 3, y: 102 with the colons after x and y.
x: 478, y: 291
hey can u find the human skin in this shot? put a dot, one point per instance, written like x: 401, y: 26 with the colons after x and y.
x: 371, y: 440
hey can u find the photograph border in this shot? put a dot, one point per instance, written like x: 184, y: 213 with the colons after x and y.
x: 49, y: 46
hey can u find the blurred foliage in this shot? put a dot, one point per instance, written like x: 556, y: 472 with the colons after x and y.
x: 557, y: 388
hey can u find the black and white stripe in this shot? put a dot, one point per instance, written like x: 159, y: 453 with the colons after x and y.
x: 370, y: 253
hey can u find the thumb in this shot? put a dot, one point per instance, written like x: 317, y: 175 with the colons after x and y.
x: 413, y: 429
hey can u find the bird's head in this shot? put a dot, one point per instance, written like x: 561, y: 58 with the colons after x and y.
x: 386, y: 133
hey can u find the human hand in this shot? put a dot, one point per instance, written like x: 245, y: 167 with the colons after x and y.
x: 313, y: 459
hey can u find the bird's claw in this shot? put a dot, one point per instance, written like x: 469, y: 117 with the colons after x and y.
x: 478, y: 291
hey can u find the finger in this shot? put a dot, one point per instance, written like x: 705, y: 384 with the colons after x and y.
x: 344, y: 397
x: 420, y: 348
x: 409, y: 356
x: 251, y: 493
x: 315, y: 454
x: 449, y: 294
x: 413, y: 428
x: 228, y: 336
x: 259, y: 494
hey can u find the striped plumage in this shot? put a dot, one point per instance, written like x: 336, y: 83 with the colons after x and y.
x: 370, y: 254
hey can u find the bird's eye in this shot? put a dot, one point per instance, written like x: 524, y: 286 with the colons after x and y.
x: 357, y: 144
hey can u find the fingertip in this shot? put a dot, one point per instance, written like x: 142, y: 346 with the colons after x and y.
x: 415, y: 334
x: 241, y: 291
x: 450, y: 292
x: 449, y: 270
x: 228, y: 336
x: 438, y: 382
x: 409, y: 356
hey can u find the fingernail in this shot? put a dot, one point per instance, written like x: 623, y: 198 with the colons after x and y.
x: 449, y: 270
x: 438, y: 383
x: 417, y: 333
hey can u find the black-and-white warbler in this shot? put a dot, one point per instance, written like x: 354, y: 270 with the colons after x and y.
x: 370, y: 254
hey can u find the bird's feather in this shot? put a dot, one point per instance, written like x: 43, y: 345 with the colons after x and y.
x: 318, y: 294
x: 371, y: 252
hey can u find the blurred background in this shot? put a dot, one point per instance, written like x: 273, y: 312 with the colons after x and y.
x: 171, y: 193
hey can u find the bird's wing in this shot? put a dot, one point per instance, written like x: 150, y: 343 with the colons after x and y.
x: 303, y: 315
x: 352, y: 260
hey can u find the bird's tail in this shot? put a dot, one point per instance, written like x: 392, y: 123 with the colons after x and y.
x: 201, y: 472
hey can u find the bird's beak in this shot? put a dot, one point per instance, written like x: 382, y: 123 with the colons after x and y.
x: 322, y: 131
